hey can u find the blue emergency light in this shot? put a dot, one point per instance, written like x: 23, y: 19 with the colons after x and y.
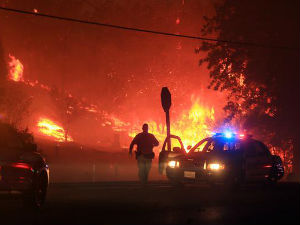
x: 228, y: 134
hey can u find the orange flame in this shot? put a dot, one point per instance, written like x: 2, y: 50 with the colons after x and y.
x: 191, y: 126
x: 49, y: 128
x: 16, y: 69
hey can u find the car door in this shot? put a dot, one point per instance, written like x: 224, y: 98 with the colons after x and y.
x: 265, y: 160
x: 165, y: 155
x: 257, y: 161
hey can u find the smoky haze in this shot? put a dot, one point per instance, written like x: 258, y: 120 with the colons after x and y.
x: 119, y: 71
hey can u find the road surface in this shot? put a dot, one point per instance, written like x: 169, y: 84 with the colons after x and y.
x: 159, y: 203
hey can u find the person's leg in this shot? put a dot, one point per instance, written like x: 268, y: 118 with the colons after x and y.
x: 148, y: 163
x: 141, y: 165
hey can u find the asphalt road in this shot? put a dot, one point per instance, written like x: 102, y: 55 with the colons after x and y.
x: 159, y: 203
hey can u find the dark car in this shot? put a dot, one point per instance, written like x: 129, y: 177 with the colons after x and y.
x: 223, y: 158
x: 23, y: 170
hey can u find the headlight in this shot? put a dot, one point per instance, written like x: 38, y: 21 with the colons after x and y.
x: 215, y: 166
x: 173, y: 164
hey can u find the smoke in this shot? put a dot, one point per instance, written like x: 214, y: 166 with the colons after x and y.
x: 121, y: 72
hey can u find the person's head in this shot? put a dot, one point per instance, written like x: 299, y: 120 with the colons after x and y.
x: 145, y: 127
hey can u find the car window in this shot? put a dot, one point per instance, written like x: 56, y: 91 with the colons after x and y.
x: 222, y: 145
x: 210, y: 146
x: 261, y: 149
x: 201, y: 145
x: 176, y: 146
x: 256, y: 148
x: 232, y: 145
x: 250, y: 149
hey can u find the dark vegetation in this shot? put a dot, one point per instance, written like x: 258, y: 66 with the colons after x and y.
x: 262, y: 80
x: 14, y: 142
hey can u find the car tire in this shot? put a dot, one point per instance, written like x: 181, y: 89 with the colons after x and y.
x: 36, y: 196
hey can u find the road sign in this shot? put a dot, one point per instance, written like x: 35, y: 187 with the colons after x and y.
x: 165, y: 99
x: 166, y: 104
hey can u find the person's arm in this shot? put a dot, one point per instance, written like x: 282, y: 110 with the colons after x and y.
x: 155, y: 141
x: 133, y: 142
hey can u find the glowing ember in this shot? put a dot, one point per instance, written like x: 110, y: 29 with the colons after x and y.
x: 16, y: 69
x: 192, y: 126
x: 51, y: 129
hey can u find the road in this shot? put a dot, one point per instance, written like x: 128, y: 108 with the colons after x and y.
x: 159, y: 203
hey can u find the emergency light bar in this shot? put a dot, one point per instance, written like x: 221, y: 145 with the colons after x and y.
x: 229, y: 134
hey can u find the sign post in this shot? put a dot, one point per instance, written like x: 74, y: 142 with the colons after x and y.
x: 166, y: 104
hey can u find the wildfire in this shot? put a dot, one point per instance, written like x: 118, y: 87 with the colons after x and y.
x: 191, y: 126
x: 16, y: 69
x: 51, y: 129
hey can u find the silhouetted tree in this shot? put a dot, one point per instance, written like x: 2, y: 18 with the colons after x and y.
x: 16, y: 104
x: 3, y: 73
x: 262, y: 81
x: 67, y: 108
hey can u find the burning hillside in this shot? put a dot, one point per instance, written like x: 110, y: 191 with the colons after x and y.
x: 16, y: 69
x: 51, y: 129
x: 191, y: 125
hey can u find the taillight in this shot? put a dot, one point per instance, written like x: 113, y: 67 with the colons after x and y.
x: 267, y: 166
x: 22, y: 166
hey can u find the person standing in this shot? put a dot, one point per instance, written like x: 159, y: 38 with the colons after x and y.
x: 144, y: 154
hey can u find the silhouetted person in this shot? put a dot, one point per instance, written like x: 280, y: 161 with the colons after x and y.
x: 144, y: 154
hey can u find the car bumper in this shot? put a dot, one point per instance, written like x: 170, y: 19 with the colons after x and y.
x: 15, y: 185
x: 198, y: 175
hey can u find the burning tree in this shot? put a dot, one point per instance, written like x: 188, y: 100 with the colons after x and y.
x: 262, y: 80
x: 14, y: 102
x: 67, y: 108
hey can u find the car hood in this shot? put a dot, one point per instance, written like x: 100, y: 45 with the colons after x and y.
x: 198, y: 159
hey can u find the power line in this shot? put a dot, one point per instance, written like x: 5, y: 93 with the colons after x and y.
x: 144, y: 30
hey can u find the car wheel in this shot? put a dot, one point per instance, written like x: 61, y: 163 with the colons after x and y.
x: 35, y: 197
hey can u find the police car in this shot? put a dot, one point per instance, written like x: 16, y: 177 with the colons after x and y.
x: 23, y: 171
x: 223, y: 158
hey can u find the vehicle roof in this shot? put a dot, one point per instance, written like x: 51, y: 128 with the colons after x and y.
x: 224, y: 139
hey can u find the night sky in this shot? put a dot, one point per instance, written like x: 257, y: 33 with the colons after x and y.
x: 103, y: 63
x: 122, y: 72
